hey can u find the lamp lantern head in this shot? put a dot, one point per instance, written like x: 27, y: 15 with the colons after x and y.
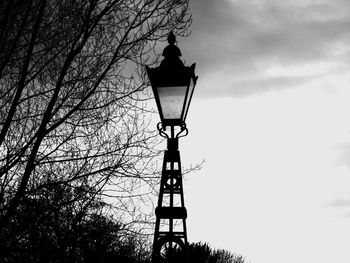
x: 173, y: 84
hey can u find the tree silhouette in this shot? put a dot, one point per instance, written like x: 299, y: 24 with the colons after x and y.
x: 61, y: 225
x: 71, y: 112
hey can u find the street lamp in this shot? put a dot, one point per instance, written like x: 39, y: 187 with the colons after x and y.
x: 173, y: 85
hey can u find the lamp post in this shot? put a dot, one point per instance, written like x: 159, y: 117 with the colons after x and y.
x: 173, y: 85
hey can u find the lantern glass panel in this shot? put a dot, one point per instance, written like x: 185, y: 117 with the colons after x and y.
x: 172, y: 101
x: 189, y: 96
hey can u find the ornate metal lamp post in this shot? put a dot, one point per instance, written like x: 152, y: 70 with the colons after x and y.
x: 173, y: 85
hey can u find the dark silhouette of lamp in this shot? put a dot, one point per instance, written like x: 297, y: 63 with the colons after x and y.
x: 173, y: 84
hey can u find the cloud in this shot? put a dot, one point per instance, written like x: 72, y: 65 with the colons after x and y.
x: 245, y: 38
x: 344, y: 154
x: 244, y: 86
x: 340, y: 203
x: 249, y: 86
x: 342, y: 206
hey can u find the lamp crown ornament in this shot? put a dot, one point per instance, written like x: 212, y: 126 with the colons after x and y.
x: 172, y: 53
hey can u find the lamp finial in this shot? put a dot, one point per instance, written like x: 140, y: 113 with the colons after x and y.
x: 172, y: 51
x: 171, y: 38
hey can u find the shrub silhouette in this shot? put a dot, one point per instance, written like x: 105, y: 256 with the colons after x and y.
x: 202, y: 253
x: 49, y: 231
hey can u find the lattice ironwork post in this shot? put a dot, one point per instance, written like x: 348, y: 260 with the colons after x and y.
x: 170, y: 236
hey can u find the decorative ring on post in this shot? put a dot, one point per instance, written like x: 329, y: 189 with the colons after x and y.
x: 175, y: 184
x: 169, y: 244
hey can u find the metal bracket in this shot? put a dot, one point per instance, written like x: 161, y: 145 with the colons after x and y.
x: 162, y: 131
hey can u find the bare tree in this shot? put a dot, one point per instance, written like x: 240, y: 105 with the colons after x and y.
x: 71, y: 111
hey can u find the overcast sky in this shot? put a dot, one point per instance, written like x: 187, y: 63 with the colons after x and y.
x: 248, y: 47
x: 271, y: 118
